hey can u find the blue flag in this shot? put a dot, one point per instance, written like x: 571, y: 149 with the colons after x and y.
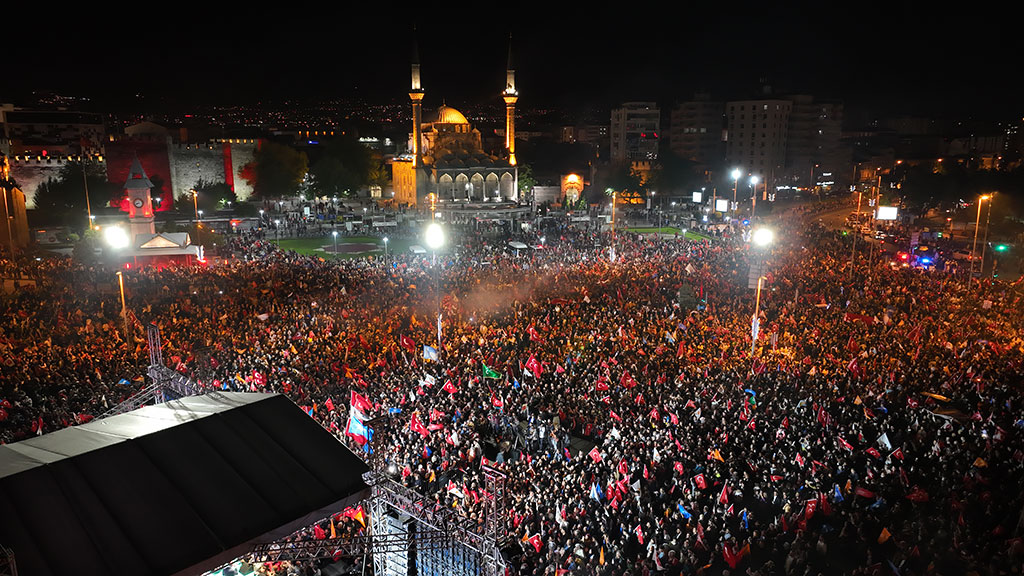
x: 515, y: 382
x: 744, y: 516
x: 429, y: 353
x: 395, y: 410
x: 751, y: 392
x: 123, y: 382
x: 837, y: 494
x: 596, y: 493
x: 684, y: 512
x: 359, y: 430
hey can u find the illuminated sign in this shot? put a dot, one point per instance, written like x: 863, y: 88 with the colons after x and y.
x: 698, y: 197
x: 721, y: 205
x: 886, y: 213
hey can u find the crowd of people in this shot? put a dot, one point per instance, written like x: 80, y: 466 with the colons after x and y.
x: 872, y: 425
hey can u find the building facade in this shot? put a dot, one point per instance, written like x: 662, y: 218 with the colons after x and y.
x: 814, y: 155
x: 14, y: 226
x: 634, y: 132
x: 697, y: 130
x: 757, y: 134
x: 446, y: 160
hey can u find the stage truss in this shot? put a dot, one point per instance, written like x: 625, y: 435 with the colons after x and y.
x: 165, y: 384
x: 406, y: 527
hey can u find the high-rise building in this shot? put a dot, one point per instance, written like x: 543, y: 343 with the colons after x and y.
x: 814, y: 155
x: 757, y: 136
x: 696, y: 132
x: 634, y: 132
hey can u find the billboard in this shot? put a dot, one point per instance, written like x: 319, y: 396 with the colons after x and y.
x: 721, y: 205
x: 697, y: 197
x: 886, y: 213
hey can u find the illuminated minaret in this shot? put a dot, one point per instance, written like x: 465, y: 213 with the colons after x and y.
x: 510, y: 95
x: 416, y: 96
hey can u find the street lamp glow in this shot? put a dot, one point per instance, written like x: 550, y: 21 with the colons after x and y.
x: 335, y: 233
x: 434, y: 236
x: 754, y: 180
x: 763, y: 236
x: 736, y: 173
x: 116, y: 237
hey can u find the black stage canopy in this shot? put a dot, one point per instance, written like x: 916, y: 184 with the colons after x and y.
x: 175, y: 488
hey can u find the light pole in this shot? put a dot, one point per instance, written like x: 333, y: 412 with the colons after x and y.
x: 335, y: 234
x: 977, y: 222
x: 984, y: 240
x: 762, y: 237
x: 753, y: 195
x: 195, y: 203
x: 735, y: 183
x: 385, y: 250
x: 200, y: 213
x: 124, y: 307
x: 277, y: 232
x: 85, y: 182
x: 434, y: 237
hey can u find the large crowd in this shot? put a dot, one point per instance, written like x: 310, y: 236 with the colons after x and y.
x: 873, y: 426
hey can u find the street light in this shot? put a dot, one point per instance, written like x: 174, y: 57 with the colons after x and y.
x: 385, y: 250
x: 335, y: 234
x: 977, y: 221
x: 200, y: 212
x: 434, y: 237
x: 277, y: 232
x: 195, y: 203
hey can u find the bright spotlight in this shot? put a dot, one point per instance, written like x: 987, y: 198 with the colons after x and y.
x: 434, y: 236
x: 116, y: 237
x: 763, y: 236
x: 736, y: 173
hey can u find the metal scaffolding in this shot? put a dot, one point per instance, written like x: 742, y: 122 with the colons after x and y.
x: 7, y: 565
x: 404, y: 528
x: 165, y: 384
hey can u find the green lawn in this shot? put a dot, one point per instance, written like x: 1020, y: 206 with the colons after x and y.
x: 312, y: 246
x: 668, y: 230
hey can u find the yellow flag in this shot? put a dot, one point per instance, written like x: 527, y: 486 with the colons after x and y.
x: 857, y: 401
x: 601, y: 559
x: 884, y: 536
x: 333, y: 533
x: 979, y: 463
x: 717, y: 455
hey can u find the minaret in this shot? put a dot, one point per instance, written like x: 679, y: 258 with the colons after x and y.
x: 416, y: 96
x: 140, y: 203
x: 510, y: 95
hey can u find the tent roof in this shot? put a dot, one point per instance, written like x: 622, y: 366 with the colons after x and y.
x: 177, y: 487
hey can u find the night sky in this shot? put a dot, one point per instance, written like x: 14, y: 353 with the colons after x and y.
x: 892, y: 58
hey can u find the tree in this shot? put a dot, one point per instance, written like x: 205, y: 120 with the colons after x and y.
x: 674, y: 175
x: 62, y: 199
x: 330, y: 177
x: 344, y: 167
x: 276, y: 170
x: 526, y: 181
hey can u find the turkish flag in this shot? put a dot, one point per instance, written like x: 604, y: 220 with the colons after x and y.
x: 699, y: 479
x: 595, y: 454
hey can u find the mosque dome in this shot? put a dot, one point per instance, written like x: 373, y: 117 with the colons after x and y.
x: 448, y: 115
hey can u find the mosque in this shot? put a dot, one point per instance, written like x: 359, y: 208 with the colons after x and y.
x: 446, y: 162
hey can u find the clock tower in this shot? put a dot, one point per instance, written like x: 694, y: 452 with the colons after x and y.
x: 140, y: 204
